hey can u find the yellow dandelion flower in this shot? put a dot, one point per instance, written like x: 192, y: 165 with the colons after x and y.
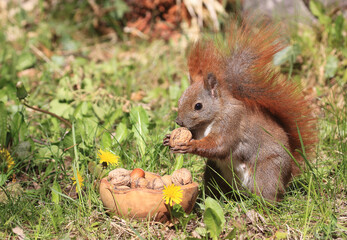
x: 172, y: 194
x: 80, y: 179
x: 108, y: 158
x: 5, y: 155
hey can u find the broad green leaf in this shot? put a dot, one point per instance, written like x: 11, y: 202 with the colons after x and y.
x: 139, y: 119
x: 288, y: 54
x: 281, y: 235
x: 23, y: 149
x: 174, y: 92
x: 61, y: 109
x: 121, y: 8
x: 213, y: 204
x: 55, y: 194
x: 121, y: 132
x: 3, y: 124
x: 331, y: 66
x: 106, y: 140
x: 80, y: 110
x: 49, y: 151
x: 213, y: 217
x: 25, y: 60
x: 338, y: 31
x: 213, y: 223
x: 18, y: 128
x: 87, y: 129
x: 179, y: 162
x: 3, y: 178
x: 316, y: 8
x: 99, y: 111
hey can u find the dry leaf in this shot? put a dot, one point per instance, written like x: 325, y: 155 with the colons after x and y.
x: 19, y: 231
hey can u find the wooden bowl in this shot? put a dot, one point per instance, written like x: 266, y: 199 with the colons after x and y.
x: 141, y: 203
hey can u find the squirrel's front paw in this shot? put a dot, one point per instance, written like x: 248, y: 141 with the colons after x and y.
x: 166, y: 140
x: 183, y: 147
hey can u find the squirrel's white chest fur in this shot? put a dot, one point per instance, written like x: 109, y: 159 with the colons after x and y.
x: 208, y: 129
x: 239, y: 171
x: 203, y: 132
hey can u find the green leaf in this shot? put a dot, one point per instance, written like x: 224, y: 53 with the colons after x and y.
x: 287, y: 54
x: 213, y: 217
x: 280, y: 235
x: 316, y: 8
x: 179, y: 162
x: 174, y: 92
x: 331, y: 66
x: 177, y: 211
x: 337, y: 31
x: 121, y: 8
x: 213, y: 204
x: 18, y: 128
x: 106, y: 140
x: 213, y: 223
x: 3, y: 178
x: 121, y: 132
x: 99, y: 111
x: 23, y: 149
x: 140, y: 120
x: 25, y: 61
x: 61, y: 109
x: 3, y: 124
x: 55, y: 194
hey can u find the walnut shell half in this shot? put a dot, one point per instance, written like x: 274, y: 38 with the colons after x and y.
x: 180, y: 135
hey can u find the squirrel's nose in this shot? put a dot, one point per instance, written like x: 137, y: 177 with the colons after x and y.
x: 179, y: 122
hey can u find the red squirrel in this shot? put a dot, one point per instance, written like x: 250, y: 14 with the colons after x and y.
x: 243, y: 114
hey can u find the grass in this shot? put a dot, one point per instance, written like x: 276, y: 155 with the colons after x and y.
x: 111, y: 90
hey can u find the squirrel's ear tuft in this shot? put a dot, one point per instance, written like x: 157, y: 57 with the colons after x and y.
x: 210, y: 84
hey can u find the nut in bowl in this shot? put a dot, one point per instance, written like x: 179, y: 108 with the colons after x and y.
x: 143, y: 202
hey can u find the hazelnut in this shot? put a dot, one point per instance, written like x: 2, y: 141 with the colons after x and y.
x: 181, y: 177
x: 166, y: 180
x: 137, y: 173
x: 141, y: 183
x: 180, y: 135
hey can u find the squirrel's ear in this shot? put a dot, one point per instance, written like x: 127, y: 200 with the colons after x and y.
x: 210, y: 84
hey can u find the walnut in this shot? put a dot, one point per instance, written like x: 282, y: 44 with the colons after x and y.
x: 166, y: 180
x: 141, y: 183
x: 118, y: 172
x: 150, y: 176
x: 180, y: 135
x: 119, y: 177
x: 181, y: 177
x: 156, y: 183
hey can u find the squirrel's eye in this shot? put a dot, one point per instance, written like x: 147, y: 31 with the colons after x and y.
x: 198, y: 106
